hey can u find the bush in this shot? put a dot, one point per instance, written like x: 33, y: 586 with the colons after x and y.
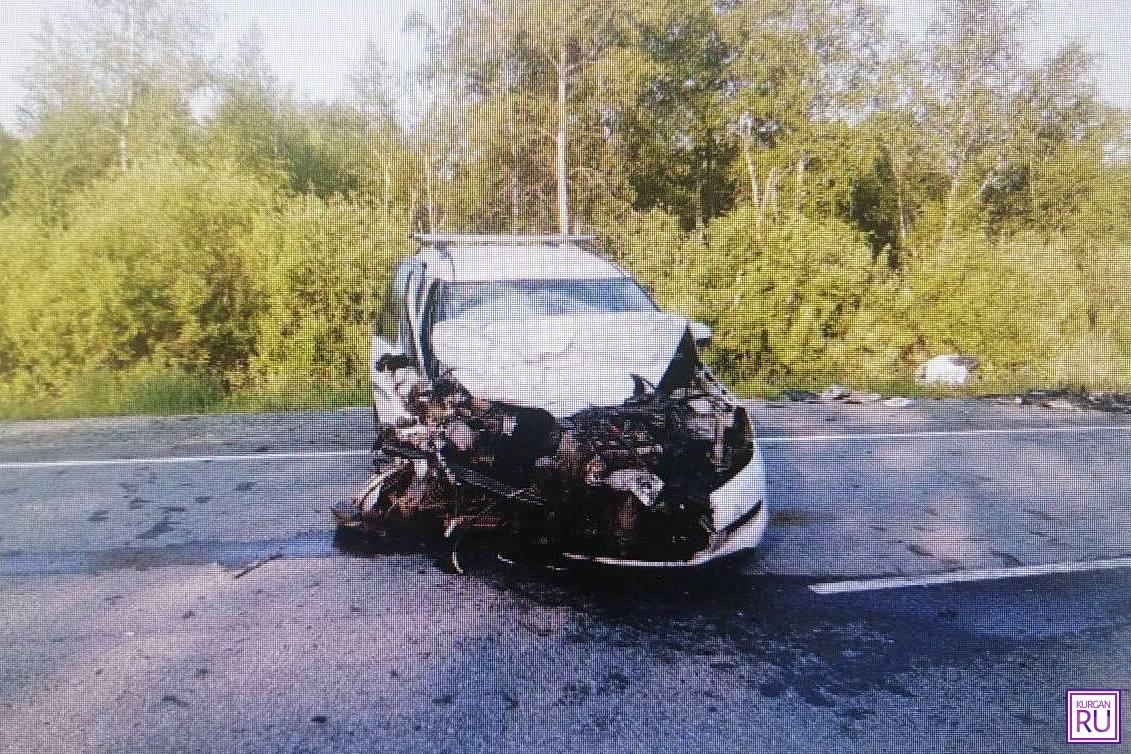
x: 322, y: 266
x: 147, y: 271
x: 781, y: 296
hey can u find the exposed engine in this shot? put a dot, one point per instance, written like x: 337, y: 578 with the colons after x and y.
x: 630, y: 481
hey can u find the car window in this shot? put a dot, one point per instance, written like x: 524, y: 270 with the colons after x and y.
x: 518, y: 299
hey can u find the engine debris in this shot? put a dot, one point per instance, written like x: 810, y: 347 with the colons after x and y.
x: 628, y: 481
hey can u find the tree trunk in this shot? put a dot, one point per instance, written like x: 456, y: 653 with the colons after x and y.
x: 385, y: 201
x: 799, y: 178
x: 952, y: 202
x: 124, y: 139
x: 127, y: 106
x: 430, y: 196
x: 902, y: 215
x: 512, y: 127
x: 563, y: 180
x: 387, y: 194
x: 516, y: 191
x: 770, y: 198
x: 752, y: 174
x: 700, y: 224
x: 901, y: 206
x: 414, y: 213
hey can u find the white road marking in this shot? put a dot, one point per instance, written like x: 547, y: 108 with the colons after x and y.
x: 802, y: 439
x: 185, y: 459
x: 762, y: 440
x: 988, y: 574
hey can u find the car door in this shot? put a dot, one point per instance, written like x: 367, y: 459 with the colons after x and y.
x: 391, y: 332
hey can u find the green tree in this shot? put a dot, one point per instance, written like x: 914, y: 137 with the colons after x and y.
x: 245, y: 120
x: 322, y: 265
x: 974, y: 75
x: 109, y: 81
x: 675, y: 134
x: 801, y: 72
x: 146, y: 271
x: 530, y: 83
x: 104, y: 56
x: 9, y: 157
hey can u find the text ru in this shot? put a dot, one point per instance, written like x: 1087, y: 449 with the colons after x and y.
x: 1089, y: 720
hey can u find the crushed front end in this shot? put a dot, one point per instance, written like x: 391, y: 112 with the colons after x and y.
x: 670, y: 476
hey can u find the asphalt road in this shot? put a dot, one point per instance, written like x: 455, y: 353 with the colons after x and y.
x: 124, y: 629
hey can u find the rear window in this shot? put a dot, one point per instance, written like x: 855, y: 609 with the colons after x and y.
x: 518, y: 299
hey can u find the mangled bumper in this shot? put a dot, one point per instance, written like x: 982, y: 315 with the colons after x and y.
x: 741, y: 515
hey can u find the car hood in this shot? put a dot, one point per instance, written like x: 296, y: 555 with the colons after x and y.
x: 562, y: 364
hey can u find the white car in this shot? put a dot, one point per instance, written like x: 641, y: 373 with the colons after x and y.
x: 528, y: 387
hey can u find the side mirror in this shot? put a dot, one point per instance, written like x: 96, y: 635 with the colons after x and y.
x: 701, y: 333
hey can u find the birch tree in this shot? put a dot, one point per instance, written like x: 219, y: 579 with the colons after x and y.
x: 974, y: 76
x: 104, y: 56
x: 798, y: 68
x: 523, y: 68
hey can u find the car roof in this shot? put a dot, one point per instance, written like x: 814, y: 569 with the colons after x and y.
x: 516, y: 259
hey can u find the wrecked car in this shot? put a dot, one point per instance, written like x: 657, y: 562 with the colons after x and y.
x: 524, y: 386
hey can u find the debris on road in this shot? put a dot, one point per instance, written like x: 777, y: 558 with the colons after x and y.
x: 256, y: 564
x: 950, y: 369
x: 1070, y: 400
x: 845, y: 395
x: 834, y: 393
x: 1057, y: 399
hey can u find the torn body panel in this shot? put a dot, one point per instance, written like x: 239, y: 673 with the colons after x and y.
x: 623, y: 468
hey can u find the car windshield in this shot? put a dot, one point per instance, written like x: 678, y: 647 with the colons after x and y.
x: 519, y: 299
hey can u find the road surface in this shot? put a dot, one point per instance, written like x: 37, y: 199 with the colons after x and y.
x: 124, y: 629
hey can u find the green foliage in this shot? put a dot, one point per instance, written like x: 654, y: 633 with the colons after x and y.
x: 676, y: 134
x: 146, y: 271
x: 65, y: 154
x: 321, y: 265
x: 782, y: 295
x: 836, y: 203
x: 9, y: 154
x: 284, y: 395
x: 1011, y: 304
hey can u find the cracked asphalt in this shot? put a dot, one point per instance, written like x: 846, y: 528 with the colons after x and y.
x: 124, y: 629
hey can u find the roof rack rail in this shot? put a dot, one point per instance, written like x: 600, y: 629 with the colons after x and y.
x: 468, y: 239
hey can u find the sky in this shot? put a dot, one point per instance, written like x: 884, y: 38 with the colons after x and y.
x: 312, y: 44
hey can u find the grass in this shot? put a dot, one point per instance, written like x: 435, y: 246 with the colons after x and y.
x: 295, y: 396
x: 172, y: 392
x: 979, y: 386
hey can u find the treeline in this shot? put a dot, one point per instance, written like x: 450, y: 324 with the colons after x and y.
x: 837, y: 202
